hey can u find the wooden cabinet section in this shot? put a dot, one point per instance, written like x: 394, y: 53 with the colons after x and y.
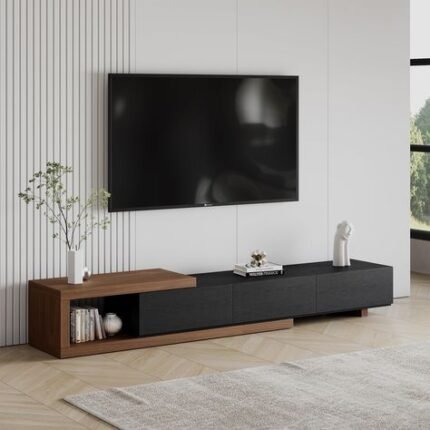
x: 49, y: 305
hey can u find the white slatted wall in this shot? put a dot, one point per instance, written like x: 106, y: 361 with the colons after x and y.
x: 54, y: 60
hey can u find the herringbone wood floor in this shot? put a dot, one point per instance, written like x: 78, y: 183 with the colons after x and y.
x: 32, y: 383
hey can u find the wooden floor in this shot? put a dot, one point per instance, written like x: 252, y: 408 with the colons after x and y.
x: 32, y: 383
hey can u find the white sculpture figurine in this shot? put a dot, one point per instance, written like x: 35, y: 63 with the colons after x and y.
x: 340, y: 251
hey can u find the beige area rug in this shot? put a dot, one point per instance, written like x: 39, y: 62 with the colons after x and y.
x: 376, y: 389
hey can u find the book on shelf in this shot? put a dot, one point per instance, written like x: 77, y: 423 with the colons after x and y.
x: 86, y: 324
x: 73, y: 325
x: 102, y: 327
x: 267, y: 269
x: 97, y: 324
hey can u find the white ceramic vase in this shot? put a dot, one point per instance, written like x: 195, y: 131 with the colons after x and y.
x: 112, y: 324
x: 75, y: 267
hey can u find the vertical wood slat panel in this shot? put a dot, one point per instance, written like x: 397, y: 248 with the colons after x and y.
x: 122, y: 243
x: 102, y: 135
x: 54, y: 60
x: 129, y: 59
x: 36, y: 130
x: 10, y: 92
x: 64, y: 118
x: 115, y: 216
x: 43, y: 129
x: 103, y: 155
x: 3, y: 92
x: 82, y: 101
x: 49, y: 106
x: 16, y: 180
x: 27, y: 160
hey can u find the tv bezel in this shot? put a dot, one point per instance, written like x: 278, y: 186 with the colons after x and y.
x: 112, y: 76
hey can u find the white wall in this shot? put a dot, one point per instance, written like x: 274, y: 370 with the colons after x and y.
x: 352, y: 58
x: 353, y: 62
x: 206, y: 36
x: 368, y: 129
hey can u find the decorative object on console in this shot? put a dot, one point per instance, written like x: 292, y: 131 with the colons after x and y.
x: 341, y: 242
x: 112, y: 324
x: 267, y: 269
x: 87, y: 273
x: 73, y: 218
x: 258, y: 258
x: 74, y: 266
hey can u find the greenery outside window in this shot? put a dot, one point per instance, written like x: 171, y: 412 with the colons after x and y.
x: 420, y: 148
x: 420, y: 119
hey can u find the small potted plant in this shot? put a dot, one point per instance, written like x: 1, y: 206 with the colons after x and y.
x: 73, y: 219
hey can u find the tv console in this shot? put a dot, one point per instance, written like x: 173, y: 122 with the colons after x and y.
x: 159, y: 307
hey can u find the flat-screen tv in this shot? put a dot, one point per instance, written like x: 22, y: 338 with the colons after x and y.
x: 201, y: 140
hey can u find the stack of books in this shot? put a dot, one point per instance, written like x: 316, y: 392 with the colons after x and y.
x: 86, y: 324
x: 268, y: 269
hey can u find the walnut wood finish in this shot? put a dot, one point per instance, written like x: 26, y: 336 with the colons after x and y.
x: 49, y: 302
x: 46, y: 326
x: 49, y: 309
x: 112, y: 284
x: 121, y: 343
x: 357, y: 313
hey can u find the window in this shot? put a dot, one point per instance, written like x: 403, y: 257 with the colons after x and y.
x: 420, y: 120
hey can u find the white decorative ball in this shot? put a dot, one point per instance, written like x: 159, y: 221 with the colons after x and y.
x: 112, y: 324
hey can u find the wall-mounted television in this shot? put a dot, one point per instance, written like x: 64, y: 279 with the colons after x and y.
x: 201, y: 140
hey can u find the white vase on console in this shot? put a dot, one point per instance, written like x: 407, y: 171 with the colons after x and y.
x: 75, y: 266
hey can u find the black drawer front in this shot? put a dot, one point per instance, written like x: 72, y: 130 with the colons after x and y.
x: 274, y: 298
x: 185, y: 309
x: 354, y: 290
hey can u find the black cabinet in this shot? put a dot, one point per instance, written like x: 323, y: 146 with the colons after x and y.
x: 275, y: 298
x: 223, y: 299
x: 185, y: 309
x: 358, y: 289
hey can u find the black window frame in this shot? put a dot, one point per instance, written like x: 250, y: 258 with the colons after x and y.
x: 420, y: 234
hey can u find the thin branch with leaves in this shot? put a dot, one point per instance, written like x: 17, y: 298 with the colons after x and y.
x: 46, y: 190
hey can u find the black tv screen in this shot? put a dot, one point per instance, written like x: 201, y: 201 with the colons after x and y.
x: 188, y: 140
